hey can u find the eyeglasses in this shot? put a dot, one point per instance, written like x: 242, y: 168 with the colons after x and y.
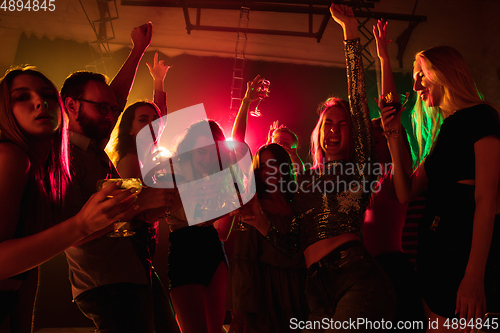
x: 103, y: 108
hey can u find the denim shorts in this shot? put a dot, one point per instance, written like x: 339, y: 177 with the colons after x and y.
x: 345, y: 285
x: 194, y: 255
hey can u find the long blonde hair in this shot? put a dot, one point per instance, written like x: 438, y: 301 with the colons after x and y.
x: 444, y: 66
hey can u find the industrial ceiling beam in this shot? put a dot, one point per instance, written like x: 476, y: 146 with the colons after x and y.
x: 318, y: 7
x: 265, y: 5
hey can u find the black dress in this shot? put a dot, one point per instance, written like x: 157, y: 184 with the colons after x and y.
x: 445, y: 232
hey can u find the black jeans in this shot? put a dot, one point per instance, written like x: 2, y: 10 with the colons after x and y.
x: 344, y: 286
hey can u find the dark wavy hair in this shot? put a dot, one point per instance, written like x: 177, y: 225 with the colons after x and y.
x: 121, y: 141
x: 50, y: 181
x: 283, y: 162
x: 74, y: 85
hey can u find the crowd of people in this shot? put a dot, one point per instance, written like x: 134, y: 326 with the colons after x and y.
x: 313, y: 247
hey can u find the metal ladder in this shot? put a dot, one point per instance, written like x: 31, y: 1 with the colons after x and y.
x: 239, y: 62
x: 102, y: 27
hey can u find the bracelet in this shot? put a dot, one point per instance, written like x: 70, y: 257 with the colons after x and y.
x: 391, y: 133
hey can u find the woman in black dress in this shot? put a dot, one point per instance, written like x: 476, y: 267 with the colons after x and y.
x: 457, y: 259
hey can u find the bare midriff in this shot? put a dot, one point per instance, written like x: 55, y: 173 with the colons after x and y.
x: 319, y: 249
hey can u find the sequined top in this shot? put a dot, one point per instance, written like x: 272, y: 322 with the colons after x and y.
x: 331, y: 200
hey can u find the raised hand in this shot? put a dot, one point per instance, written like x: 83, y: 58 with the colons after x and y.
x: 252, y: 93
x: 159, y: 70
x: 379, y: 31
x: 122, y: 82
x: 141, y: 37
x: 344, y: 16
x: 272, y: 128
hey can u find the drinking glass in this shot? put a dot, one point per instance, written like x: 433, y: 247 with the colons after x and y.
x: 121, y: 228
x: 397, y: 102
x: 262, y: 93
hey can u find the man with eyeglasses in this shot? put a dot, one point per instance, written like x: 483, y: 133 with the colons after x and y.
x: 110, y: 277
x: 91, y: 105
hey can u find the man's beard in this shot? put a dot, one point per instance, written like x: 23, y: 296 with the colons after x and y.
x: 93, y: 129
